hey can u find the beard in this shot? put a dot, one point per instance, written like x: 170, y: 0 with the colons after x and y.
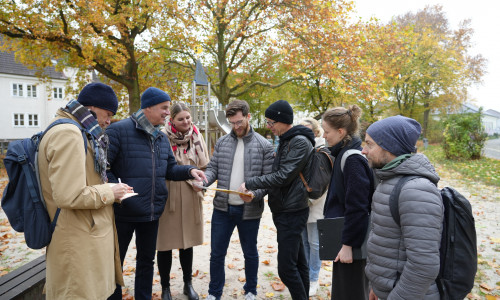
x: 242, y: 130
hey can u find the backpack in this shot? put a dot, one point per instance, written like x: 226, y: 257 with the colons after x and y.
x: 22, y: 199
x: 320, y: 172
x: 346, y: 155
x: 458, y: 251
x: 358, y: 152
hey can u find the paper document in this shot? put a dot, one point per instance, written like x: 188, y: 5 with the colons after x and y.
x: 128, y: 195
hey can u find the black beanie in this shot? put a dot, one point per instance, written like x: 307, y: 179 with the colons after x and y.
x: 99, y: 95
x: 280, y: 111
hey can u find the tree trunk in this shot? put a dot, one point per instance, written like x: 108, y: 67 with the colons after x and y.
x: 427, y: 112
x: 134, y: 97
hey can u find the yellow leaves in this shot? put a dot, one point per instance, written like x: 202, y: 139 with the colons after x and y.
x: 495, y: 240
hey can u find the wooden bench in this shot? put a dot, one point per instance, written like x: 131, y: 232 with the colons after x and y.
x: 25, y: 282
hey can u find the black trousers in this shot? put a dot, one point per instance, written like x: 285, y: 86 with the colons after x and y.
x: 145, y: 243
x: 349, y: 281
x: 164, y: 259
x: 292, y: 263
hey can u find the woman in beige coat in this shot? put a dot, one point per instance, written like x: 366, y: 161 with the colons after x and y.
x: 83, y: 259
x: 181, y: 224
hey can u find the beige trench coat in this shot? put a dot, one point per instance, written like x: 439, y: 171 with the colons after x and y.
x: 83, y: 260
x: 181, y: 224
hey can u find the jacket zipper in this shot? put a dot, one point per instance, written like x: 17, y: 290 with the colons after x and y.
x: 153, y: 181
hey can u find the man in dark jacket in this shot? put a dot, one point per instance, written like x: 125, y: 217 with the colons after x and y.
x: 139, y: 154
x: 403, y: 261
x: 241, y: 154
x: 288, y: 198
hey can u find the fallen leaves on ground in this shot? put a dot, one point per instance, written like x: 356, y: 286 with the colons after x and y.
x: 278, y: 286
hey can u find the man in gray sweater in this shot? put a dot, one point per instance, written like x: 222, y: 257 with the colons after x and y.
x: 403, y: 261
x: 241, y: 154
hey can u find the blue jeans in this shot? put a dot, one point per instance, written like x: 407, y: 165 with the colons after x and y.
x: 292, y: 264
x: 145, y: 242
x: 310, y: 238
x: 223, y: 224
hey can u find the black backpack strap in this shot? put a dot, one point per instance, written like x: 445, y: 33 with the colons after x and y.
x: 394, y: 197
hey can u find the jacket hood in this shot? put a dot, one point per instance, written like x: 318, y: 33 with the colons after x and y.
x: 417, y: 164
x: 298, y: 130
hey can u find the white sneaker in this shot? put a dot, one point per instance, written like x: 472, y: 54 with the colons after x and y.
x: 211, y: 297
x: 313, y: 288
x: 250, y: 296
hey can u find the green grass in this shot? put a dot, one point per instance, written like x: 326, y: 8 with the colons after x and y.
x: 485, y: 170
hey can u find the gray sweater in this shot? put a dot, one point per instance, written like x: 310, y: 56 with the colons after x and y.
x: 258, y: 160
x: 409, y: 252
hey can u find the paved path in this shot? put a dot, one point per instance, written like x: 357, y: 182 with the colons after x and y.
x: 492, y: 149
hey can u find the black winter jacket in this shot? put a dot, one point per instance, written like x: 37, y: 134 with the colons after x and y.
x: 286, y: 191
x: 144, y: 165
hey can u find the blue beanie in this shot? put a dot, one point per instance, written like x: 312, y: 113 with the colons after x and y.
x: 280, y: 111
x: 397, y: 134
x: 153, y: 96
x: 99, y: 95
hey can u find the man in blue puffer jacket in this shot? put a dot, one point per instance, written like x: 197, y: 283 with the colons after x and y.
x: 139, y: 154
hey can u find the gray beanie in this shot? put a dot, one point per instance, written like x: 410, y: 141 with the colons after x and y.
x: 397, y: 134
x: 280, y: 111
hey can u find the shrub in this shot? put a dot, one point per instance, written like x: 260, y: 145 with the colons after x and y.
x: 464, y: 136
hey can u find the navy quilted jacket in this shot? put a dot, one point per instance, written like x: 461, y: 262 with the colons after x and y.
x: 144, y: 165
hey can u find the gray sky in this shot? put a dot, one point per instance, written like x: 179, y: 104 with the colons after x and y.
x: 486, y: 39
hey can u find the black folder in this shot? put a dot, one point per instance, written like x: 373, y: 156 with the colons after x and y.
x: 330, y: 239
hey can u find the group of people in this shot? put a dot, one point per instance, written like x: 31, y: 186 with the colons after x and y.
x: 160, y: 155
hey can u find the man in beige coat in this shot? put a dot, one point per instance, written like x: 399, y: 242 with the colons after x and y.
x: 83, y: 259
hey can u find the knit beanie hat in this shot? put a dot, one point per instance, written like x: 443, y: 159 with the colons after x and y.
x: 397, y: 134
x: 280, y: 111
x: 153, y: 96
x: 99, y: 95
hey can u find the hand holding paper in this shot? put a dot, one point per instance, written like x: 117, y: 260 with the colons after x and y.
x: 122, y: 190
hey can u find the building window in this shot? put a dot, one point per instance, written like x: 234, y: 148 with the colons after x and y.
x: 18, y: 120
x: 31, y: 90
x: 17, y: 89
x: 58, y: 93
x: 32, y: 120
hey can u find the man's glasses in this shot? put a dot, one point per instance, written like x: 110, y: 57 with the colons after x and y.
x: 271, y: 123
x: 237, y: 123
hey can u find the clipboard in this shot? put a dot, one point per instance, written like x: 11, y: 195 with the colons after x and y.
x: 330, y: 239
x: 223, y: 190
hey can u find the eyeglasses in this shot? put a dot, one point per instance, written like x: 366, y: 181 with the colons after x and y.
x: 271, y: 123
x: 237, y: 123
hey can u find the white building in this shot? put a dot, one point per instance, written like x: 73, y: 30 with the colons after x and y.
x: 27, y: 104
x: 489, y: 118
